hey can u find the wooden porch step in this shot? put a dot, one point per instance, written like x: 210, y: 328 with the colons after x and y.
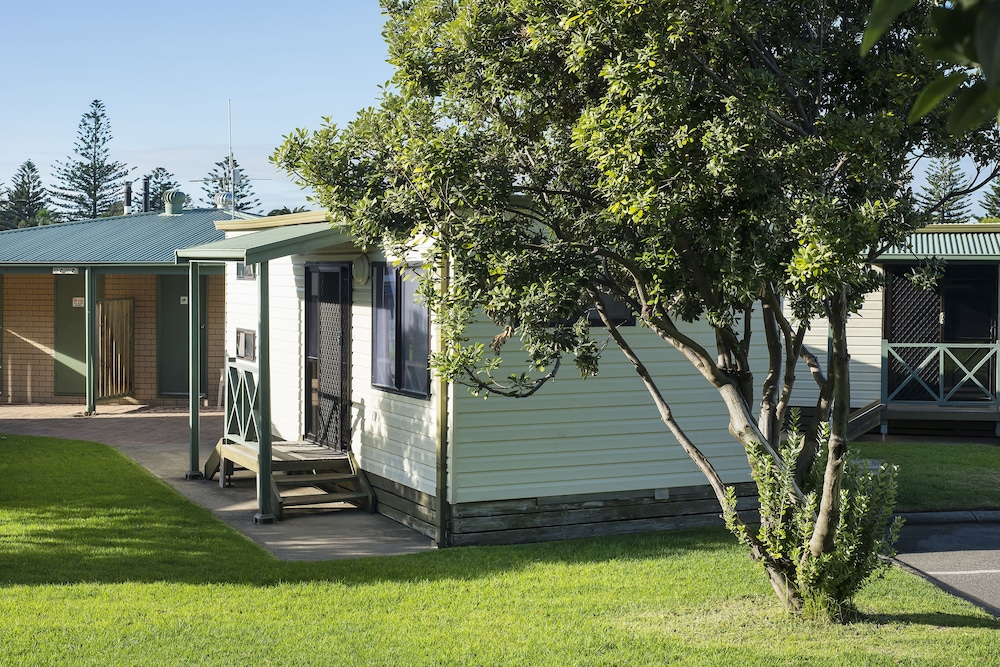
x: 311, y: 480
x: 323, y: 498
x: 864, y: 419
x: 322, y: 475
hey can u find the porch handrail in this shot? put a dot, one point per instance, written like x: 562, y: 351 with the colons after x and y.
x: 242, y: 402
x: 937, y: 358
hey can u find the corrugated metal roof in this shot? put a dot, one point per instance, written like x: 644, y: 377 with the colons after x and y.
x: 959, y: 245
x: 268, y: 244
x: 141, y: 238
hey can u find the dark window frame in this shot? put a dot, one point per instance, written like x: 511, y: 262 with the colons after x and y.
x: 618, y: 312
x: 400, y: 329
x: 247, y: 348
x: 246, y: 271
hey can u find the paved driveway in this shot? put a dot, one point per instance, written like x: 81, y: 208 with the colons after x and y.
x: 962, y: 558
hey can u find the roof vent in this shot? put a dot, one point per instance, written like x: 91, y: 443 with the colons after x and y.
x: 173, y: 202
x: 224, y: 200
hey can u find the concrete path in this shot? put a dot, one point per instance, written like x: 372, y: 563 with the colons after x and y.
x: 157, y: 439
x: 963, y: 558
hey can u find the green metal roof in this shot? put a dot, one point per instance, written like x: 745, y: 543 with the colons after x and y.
x: 140, y: 238
x: 268, y: 244
x: 965, y: 243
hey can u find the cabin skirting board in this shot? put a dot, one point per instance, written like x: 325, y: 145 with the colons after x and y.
x: 561, y: 517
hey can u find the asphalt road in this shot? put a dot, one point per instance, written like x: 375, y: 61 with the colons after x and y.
x: 962, y: 558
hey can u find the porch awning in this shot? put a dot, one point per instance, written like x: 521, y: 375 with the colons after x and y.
x: 971, y: 242
x: 268, y: 244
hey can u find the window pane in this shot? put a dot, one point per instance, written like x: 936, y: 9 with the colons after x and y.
x: 384, y: 334
x: 415, y: 339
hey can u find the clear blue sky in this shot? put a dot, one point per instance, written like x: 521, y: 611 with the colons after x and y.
x: 165, y: 72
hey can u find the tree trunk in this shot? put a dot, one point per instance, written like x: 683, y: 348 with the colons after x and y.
x: 828, y: 521
x: 787, y: 592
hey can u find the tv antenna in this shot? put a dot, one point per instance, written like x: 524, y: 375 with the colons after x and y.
x: 232, y: 176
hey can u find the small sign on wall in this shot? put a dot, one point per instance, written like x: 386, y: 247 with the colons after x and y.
x: 184, y: 301
x: 79, y: 302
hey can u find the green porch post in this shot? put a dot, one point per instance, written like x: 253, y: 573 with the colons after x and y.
x: 90, y: 294
x: 194, y: 367
x: 265, y: 513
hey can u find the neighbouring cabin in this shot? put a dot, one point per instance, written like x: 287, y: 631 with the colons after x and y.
x: 97, y: 310
x: 927, y: 355
x: 348, y: 349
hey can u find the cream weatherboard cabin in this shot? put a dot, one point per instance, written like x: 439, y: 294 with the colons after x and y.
x: 920, y: 356
x: 328, y: 347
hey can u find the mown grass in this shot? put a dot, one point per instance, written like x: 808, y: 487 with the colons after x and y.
x: 102, y: 564
x: 941, y: 476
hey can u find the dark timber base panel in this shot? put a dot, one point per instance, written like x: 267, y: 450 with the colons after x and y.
x: 592, y: 515
x: 409, y: 507
x: 560, y: 517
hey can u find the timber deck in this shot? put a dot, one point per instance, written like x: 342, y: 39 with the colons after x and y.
x: 303, y: 474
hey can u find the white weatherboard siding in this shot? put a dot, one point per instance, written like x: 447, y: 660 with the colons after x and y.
x: 286, y: 336
x: 864, y: 344
x: 287, y: 346
x: 392, y: 436
x: 602, y: 434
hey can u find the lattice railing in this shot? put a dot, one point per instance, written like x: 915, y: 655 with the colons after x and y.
x: 942, y: 373
x: 242, y: 403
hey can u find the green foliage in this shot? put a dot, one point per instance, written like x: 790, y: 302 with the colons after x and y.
x: 927, y: 273
x: 691, y: 160
x: 964, y: 35
x: 26, y: 200
x: 864, y: 540
x: 160, y: 180
x: 284, y: 210
x: 826, y: 583
x: 91, y: 183
x: 991, y: 201
x: 944, y: 196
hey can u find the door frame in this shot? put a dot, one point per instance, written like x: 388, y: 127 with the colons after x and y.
x: 309, y: 361
x: 161, y: 336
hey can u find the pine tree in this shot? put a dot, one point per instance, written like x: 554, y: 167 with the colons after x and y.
x: 4, y: 204
x: 991, y: 203
x: 92, y: 183
x: 944, y: 178
x: 160, y: 180
x: 217, y: 182
x: 26, y: 199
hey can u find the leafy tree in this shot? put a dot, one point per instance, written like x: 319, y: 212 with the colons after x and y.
x: 218, y: 181
x: 26, y: 198
x: 160, y: 180
x: 284, y: 210
x: 693, y: 160
x: 46, y: 217
x: 91, y: 183
x: 991, y: 202
x: 944, y: 196
x: 965, y: 35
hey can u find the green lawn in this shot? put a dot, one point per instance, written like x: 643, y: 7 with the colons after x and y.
x: 102, y: 564
x: 941, y: 476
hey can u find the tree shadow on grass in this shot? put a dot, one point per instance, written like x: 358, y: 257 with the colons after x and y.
x: 81, y: 512
x: 76, y: 512
x: 934, y: 619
